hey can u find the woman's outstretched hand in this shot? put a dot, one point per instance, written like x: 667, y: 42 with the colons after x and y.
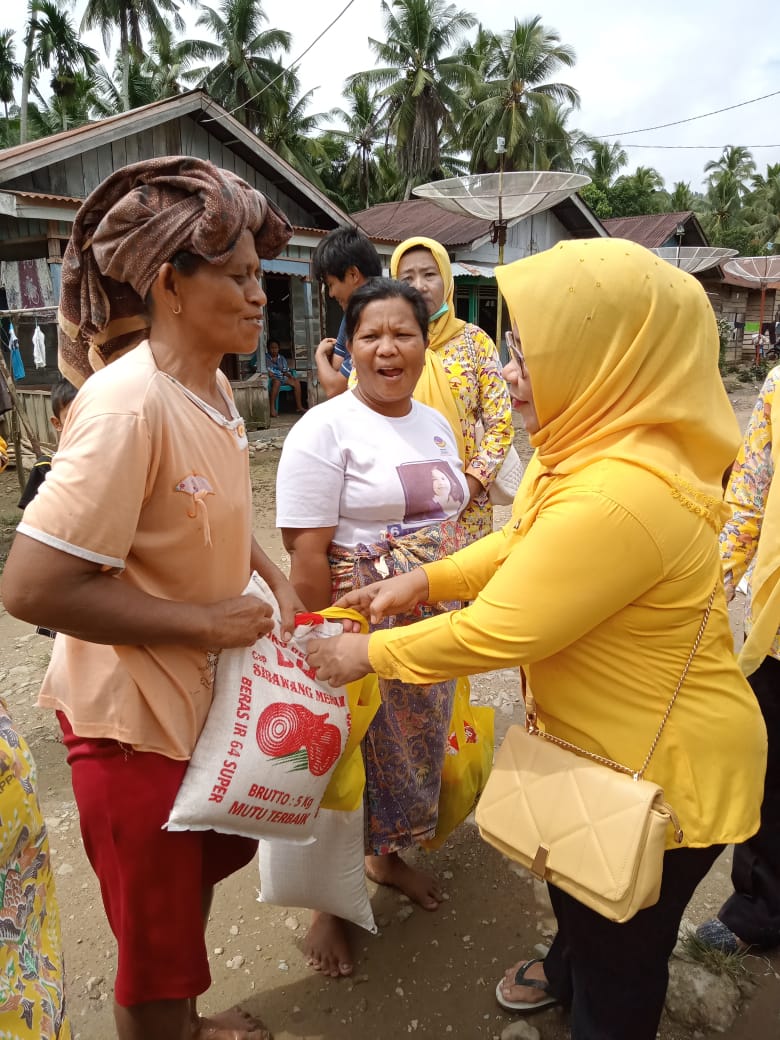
x: 339, y: 659
x: 398, y: 595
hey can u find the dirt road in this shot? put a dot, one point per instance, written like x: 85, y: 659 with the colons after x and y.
x: 431, y: 974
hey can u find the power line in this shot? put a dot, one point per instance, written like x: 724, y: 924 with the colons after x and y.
x: 705, y: 147
x: 293, y: 63
x: 691, y: 119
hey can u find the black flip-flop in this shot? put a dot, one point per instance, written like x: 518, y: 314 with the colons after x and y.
x: 520, y: 980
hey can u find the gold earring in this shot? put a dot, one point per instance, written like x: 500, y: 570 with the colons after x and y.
x: 177, y: 309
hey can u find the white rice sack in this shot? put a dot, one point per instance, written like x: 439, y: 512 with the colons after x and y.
x: 272, y: 739
x: 329, y: 875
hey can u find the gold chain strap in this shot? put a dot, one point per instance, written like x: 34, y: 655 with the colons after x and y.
x: 530, y: 710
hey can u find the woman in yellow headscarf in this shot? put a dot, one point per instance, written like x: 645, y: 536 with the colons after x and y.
x: 461, y: 379
x: 598, y: 587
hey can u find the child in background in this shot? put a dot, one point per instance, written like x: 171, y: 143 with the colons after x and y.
x: 62, y: 396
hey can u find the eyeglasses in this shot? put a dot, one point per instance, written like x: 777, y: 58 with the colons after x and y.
x: 515, y: 353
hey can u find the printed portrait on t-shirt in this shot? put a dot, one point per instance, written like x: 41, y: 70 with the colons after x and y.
x: 432, y: 492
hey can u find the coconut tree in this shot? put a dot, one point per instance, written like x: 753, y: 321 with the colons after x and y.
x: 420, y: 79
x: 246, y: 70
x: 291, y: 132
x: 682, y: 198
x: 604, y: 163
x: 59, y: 49
x: 513, y: 96
x: 10, y: 70
x: 61, y: 111
x: 362, y: 133
x: 132, y: 17
x: 106, y: 97
x: 734, y: 168
x: 763, y: 207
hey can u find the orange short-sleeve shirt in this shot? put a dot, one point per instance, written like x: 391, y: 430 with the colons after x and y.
x: 154, y: 484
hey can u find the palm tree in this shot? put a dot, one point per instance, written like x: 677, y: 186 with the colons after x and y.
x: 681, y: 198
x: 10, y: 69
x: 106, y: 97
x: 735, y: 166
x: 243, y: 78
x: 363, y: 133
x: 605, y: 162
x: 722, y: 207
x: 27, y: 69
x: 289, y: 131
x: 132, y: 16
x: 512, y: 97
x: 63, y: 111
x: 763, y: 210
x: 419, y: 79
x: 59, y: 48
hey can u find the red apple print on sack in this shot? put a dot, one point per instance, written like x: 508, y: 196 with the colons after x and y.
x: 471, y: 733
x: 452, y: 744
x: 282, y: 729
x: 298, y: 737
x: 324, y: 752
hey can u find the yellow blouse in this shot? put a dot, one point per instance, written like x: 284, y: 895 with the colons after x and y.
x: 600, y: 602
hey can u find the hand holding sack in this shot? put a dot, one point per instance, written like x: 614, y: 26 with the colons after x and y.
x: 272, y: 739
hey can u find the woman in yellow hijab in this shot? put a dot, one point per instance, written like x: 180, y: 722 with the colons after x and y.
x: 597, y: 588
x: 461, y: 379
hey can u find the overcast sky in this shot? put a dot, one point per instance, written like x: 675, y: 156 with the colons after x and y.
x: 639, y: 64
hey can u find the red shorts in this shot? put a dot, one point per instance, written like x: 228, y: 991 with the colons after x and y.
x: 153, y: 881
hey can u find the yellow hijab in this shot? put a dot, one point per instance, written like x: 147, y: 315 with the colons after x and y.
x: 622, y: 353
x: 433, y: 387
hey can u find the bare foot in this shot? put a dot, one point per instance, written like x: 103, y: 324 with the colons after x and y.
x: 420, y: 887
x: 327, y: 945
x: 529, y: 994
x: 234, y: 1024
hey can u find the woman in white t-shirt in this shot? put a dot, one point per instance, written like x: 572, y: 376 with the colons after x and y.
x: 371, y: 484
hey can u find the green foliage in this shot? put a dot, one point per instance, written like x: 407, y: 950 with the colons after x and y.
x: 420, y: 80
x: 509, y: 96
x: 444, y: 89
x: 731, y: 965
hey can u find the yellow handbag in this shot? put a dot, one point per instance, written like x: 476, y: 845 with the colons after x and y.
x: 588, y: 825
x: 467, y: 763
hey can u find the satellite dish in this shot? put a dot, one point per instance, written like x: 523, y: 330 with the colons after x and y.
x: 756, y: 269
x: 502, y: 196
x: 694, y: 259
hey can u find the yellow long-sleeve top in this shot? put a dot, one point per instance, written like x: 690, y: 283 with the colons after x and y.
x: 600, y: 601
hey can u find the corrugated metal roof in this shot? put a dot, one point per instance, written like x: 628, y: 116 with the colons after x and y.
x: 39, y: 196
x: 395, y: 221
x: 462, y: 269
x: 652, y: 230
x: 20, y: 159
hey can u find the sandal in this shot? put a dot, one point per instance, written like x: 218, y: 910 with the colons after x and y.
x: 719, y: 936
x: 520, y: 980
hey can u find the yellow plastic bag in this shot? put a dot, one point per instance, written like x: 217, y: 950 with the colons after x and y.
x: 467, y: 763
x: 345, y: 789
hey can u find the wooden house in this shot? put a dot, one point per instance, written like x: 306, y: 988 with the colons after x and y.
x: 42, y: 184
x: 469, y: 244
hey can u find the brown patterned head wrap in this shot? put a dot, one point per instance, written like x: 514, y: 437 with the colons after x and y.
x: 133, y: 223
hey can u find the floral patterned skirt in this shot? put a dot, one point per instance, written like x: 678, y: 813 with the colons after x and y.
x: 32, y: 1003
x: 405, y: 745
